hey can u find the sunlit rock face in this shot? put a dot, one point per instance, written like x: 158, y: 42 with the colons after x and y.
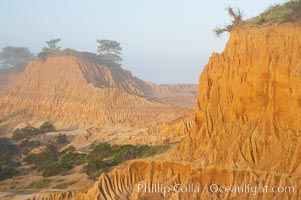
x: 246, y: 130
x: 249, y: 102
x: 74, y: 91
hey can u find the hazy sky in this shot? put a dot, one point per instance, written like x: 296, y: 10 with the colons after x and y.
x: 164, y: 41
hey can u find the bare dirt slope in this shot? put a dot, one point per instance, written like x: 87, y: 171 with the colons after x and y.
x: 90, y: 104
x: 75, y: 91
x: 247, y: 127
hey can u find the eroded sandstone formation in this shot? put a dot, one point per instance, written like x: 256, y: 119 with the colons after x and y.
x: 249, y: 109
x: 247, y: 125
x: 74, y: 91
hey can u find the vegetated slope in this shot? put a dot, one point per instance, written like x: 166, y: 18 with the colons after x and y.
x: 278, y: 14
x: 76, y: 91
x: 247, y: 127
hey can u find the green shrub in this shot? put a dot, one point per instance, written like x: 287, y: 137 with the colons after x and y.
x: 6, y: 171
x: 69, y: 52
x: 73, y: 158
x: 104, y: 156
x: 60, y: 139
x: 29, y: 132
x: 56, y: 168
x: 125, y: 152
x: 147, y: 151
x: 27, y: 145
x: 101, y: 151
x: 100, y: 159
x: 64, y: 164
x: 278, y: 14
x: 40, y: 184
x: 96, y: 167
x: 47, y: 127
x: 42, y: 56
x: 51, y: 162
x: 7, y: 149
x: 70, y: 148
x: 64, y: 185
x: 42, y: 160
x: 23, y: 133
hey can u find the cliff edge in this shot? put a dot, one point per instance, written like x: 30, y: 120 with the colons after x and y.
x: 247, y: 126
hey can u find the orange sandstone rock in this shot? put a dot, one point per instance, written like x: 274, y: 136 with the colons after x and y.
x: 247, y: 125
x: 76, y: 91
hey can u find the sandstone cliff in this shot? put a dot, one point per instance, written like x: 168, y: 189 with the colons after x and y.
x: 102, y: 76
x: 247, y: 125
x: 72, y: 90
x: 249, y: 107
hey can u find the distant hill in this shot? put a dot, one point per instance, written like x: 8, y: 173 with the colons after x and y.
x: 77, y: 90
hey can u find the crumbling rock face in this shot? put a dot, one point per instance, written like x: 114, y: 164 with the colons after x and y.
x: 72, y: 91
x: 102, y: 76
x: 249, y: 109
x: 184, y: 181
x: 247, y: 125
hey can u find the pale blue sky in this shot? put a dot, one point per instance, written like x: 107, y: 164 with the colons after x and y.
x: 164, y: 41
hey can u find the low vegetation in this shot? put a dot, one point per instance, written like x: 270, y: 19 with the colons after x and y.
x: 278, y: 14
x: 56, y: 168
x: 60, y: 139
x: 65, y: 163
x: 47, y: 127
x: 7, y: 149
x: 27, y: 145
x: 74, y: 158
x: 29, y: 132
x: 40, y: 184
x: 7, y: 153
x: 64, y: 185
x: 104, y: 156
x: 42, y: 160
x: 51, y: 162
x: 6, y: 170
x: 274, y: 15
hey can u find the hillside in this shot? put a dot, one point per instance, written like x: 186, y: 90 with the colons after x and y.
x: 278, y: 14
x: 244, y: 135
x: 246, y: 128
x: 75, y: 91
x: 68, y: 105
